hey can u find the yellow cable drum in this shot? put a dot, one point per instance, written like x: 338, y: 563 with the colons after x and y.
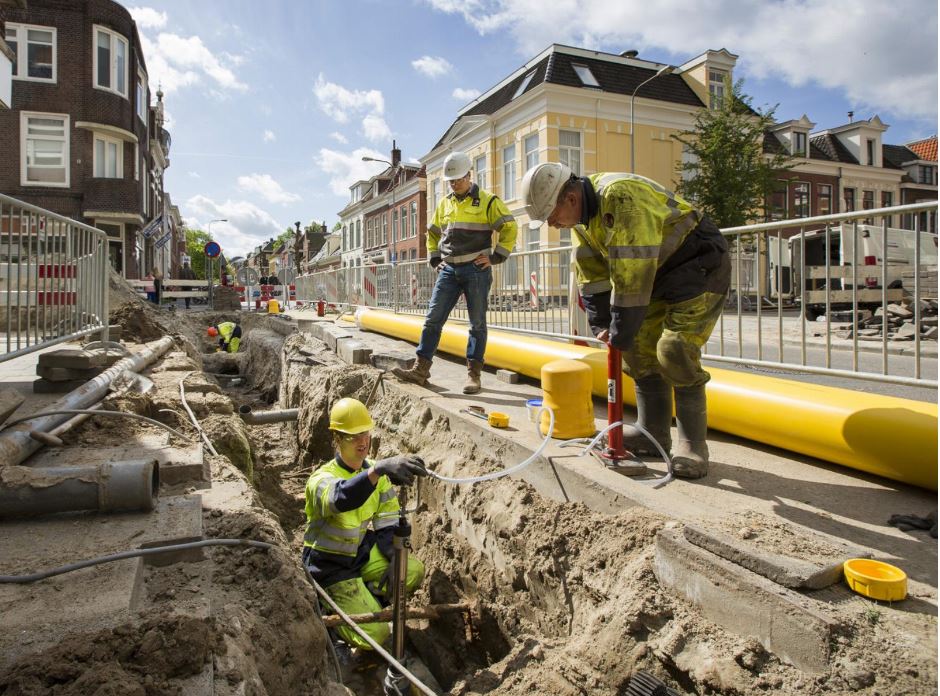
x: 883, y: 435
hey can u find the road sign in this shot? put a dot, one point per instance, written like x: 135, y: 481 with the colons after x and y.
x: 246, y: 275
x: 286, y: 276
x: 212, y: 249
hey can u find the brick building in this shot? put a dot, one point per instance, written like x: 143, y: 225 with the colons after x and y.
x: 81, y: 138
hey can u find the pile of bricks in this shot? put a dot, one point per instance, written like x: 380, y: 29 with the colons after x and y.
x: 898, y: 322
x: 66, y: 369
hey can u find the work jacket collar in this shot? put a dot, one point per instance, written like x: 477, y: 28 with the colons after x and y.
x: 339, y: 460
x: 589, y: 202
x: 472, y: 192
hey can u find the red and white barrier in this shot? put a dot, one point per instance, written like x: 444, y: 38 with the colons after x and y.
x: 414, y: 290
x: 533, y: 290
x: 370, y: 286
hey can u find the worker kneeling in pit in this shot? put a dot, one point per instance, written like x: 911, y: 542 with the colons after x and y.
x: 229, y: 334
x: 343, y: 497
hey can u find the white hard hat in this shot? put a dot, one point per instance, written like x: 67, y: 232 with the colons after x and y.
x: 541, y: 187
x: 456, y: 166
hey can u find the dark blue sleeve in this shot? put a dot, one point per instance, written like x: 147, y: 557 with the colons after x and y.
x: 597, y: 307
x: 350, y: 494
x: 383, y: 538
x: 625, y: 325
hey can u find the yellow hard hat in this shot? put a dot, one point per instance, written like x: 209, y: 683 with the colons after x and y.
x: 350, y: 416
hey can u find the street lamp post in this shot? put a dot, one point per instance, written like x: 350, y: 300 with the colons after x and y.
x: 209, y: 271
x: 394, y: 257
x: 665, y: 70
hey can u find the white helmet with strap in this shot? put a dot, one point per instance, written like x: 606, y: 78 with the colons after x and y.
x: 541, y: 187
x: 456, y: 166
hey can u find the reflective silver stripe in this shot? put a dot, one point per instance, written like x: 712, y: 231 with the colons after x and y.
x: 586, y: 252
x: 502, y: 221
x: 385, y: 523
x: 467, y: 227
x: 335, y: 547
x: 502, y: 251
x: 633, y: 252
x: 630, y: 299
x: 436, y: 254
x: 327, y: 483
x: 466, y: 257
x: 387, y: 495
x: 596, y: 287
x: 676, y: 236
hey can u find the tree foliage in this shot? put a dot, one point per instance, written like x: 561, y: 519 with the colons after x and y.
x: 195, y: 245
x: 728, y: 175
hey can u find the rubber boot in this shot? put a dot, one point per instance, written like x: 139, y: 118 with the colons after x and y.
x: 690, y: 458
x: 419, y: 373
x: 472, y: 385
x: 654, y: 413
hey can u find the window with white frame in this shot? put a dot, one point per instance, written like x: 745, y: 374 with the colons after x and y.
x: 395, y: 235
x: 531, y: 147
x: 523, y: 85
x: 799, y: 144
x: 414, y: 218
x: 110, y: 61
x: 45, y: 148
x: 108, y: 157
x: 716, y: 88
x: 585, y: 75
x: 358, y: 233
x: 479, y: 165
x: 870, y: 151
x: 143, y: 102
x: 405, y: 229
x: 384, y: 228
x: 569, y: 150
x: 509, y: 172
x: 435, y: 193
x: 34, y: 51
x: 801, y: 199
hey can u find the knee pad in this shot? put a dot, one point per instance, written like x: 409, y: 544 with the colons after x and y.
x: 679, y: 361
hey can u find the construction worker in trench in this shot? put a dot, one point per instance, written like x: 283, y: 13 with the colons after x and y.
x: 461, y: 251
x: 229, y: 334
x: 653, y: 274
x: 344, y: 497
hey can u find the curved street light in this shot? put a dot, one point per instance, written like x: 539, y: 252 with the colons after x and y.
x: 665, y: 70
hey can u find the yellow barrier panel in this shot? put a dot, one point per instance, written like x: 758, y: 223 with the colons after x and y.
x: 883, y: 435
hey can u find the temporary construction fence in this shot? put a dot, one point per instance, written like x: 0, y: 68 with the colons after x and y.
x: 784, y: 275
x: 53, y: 279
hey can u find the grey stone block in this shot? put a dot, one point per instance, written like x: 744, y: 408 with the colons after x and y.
x: 316, y: 330
x: 64, y: 374
x: 332, y: 335
x: 72, y: 359
x: 507, y: 376
x: 305, y: 325
x: 44, y: 386
x: 387, y: 360
x: 795, y: 628
x: 353, y: 352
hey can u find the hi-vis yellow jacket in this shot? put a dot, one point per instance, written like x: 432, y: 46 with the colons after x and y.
x: 635, y: 247
x: 463, y: 229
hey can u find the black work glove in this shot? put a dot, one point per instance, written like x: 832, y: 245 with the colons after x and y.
x: 434, y: 261
x: 496, y: 259
x: 401, y: 470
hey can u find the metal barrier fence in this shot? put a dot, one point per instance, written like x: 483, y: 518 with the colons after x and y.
x: 53, y: 279
x: 853, y: 263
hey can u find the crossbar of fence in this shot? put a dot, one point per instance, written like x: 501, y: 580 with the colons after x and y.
x: 775, y: 288
x: 53, y: 279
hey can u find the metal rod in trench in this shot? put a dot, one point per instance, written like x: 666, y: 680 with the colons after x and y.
x: 615, y: 451
x: 395, y: 682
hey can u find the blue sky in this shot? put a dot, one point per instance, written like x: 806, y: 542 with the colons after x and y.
x: 271, y: 105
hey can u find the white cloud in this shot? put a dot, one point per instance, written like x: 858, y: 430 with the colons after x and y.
x: 247, y: 226
x: 845, y: 45
x: 339, y: 137
x: 465, y: 94
x: 376, y: 129
x: 148, y: 18
x: 341, y: 104
x: 346, y: 168
x: 268, y: 136
x: 432, y: 66
x: 174, y: 62
x: 194, y: 175
x: 265, y: 186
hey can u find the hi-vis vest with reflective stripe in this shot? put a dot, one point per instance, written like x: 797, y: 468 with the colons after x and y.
x: 225, y: 329
x: 462, y: 229
x: 638, y: 226
x: 341, y: 532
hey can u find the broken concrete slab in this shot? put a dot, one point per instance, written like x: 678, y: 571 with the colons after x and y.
x: 44, y: 386
x: 784, y: 570
x: 797, y: 629
x: 65, y: 374
x: 332, y: 335
x: 72, y: 358
x: 176, y: 362
x: 10, y: 400
x: 507, y: 376
x: 387, y: 360
x: 353, y: 352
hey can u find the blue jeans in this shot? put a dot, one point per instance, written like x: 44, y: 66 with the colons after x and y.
x: 472, y: 282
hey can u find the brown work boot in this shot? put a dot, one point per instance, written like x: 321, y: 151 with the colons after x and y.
x: 419, y: 373
x: 472, y: 385
x: 690, y: 457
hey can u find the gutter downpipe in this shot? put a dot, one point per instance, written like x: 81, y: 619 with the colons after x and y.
x: 15, y: 443
x: 264, y: 417
x: 882, y: 435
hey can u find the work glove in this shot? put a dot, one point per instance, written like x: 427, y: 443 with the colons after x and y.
x: 401, y: 470
x: 434, y: 262
x: 496, y: 259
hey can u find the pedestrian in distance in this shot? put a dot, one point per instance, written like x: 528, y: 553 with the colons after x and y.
x: 229, y: 334
x: 352, y: 510
x: 653, y: 274
x: 460, y: 249
x: 149, y: 288
x: 157, y: 285
x: 187, y: 273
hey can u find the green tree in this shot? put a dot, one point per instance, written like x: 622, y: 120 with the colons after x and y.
x: 195, y: 248
x: 729, y: 176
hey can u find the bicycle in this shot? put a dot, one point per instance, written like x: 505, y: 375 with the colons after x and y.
x: 731, y: 301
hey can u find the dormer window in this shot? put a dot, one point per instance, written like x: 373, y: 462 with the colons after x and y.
x: 586, y: 76
x: 716, y: 88
x: 524, y: 84
x: 870, y: 152
x: 799, y: 144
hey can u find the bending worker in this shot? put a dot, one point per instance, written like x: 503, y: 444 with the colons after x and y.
x: 653, y: 274
x: 460, y: 249
x: 345, y: 497
x: 229, y: 334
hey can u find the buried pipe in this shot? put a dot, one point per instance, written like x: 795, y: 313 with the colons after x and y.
x: 16, y: 445
x: 883, y: 435
x: 281, y: 415
x: 129, y: 486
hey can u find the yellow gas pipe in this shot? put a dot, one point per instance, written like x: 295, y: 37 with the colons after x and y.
x: 883, y: 435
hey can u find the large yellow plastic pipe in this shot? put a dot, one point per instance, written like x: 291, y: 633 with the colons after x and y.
x: 883, y: 435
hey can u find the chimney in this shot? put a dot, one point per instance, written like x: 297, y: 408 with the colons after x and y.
x: 396, y: 155
x: 851, y: 116
x: 629, y: 54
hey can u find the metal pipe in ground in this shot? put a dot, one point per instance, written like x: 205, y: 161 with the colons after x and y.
x: 128, y: 486
x: 281, y: 415
x: 15, y: 443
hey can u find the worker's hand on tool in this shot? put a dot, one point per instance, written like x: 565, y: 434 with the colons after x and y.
x: 482, y: 261
x: 401, y: 470
x: 603, y: 336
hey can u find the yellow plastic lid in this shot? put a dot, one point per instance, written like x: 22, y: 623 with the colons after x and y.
x: 875, y: 579
x: 498, y: 420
